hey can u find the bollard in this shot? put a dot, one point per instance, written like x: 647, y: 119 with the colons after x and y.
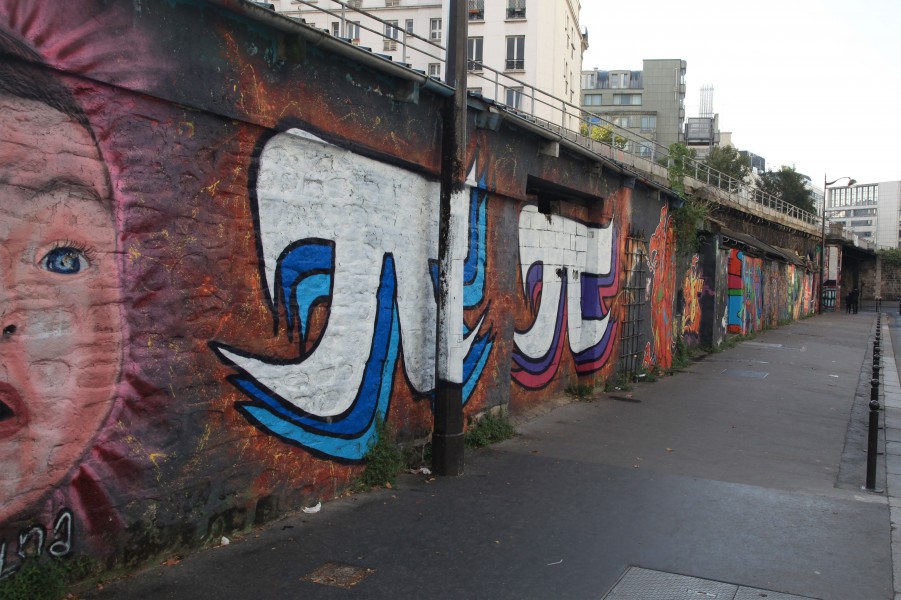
x: 874, y: 393
x: 872, y: 444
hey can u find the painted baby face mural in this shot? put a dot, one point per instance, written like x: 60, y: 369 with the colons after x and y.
x: 61, y: 337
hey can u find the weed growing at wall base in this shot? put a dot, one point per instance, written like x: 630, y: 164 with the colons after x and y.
x: 491, y: 428
x: 47, y: 580
x: 582, y: 391
x: 384, y: 459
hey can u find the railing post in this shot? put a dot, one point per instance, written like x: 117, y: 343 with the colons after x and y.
x: 873, y: 443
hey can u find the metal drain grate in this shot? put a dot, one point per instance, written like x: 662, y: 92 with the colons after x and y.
x: 645, y: 584
x: 338, y: 575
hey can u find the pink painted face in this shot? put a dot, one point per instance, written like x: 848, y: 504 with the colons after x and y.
x: 60, y: 328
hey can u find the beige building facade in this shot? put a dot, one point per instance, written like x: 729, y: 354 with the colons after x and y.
x: 525, y: 54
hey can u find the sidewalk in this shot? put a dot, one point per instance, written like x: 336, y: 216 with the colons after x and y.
x: 738, y: 478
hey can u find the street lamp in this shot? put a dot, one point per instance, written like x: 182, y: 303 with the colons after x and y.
x: 826, y: 185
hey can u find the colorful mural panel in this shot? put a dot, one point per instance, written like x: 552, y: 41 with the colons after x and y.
x: 693, y: 288
x: 337, y: 241
x: 662, y: 290
x: 569, y: 276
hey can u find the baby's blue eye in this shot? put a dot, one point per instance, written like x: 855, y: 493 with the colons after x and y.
x: 65, y: 260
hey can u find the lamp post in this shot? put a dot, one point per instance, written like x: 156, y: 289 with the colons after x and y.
x: 826, y: 185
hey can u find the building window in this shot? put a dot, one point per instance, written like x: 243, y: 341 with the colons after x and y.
x: 516, y: 9
x: 435, y: 70
x: 391, y: 35
x: 627, y: 99
x: 514, y: 97
x: 409, y: 26
x: 355, y: 3
x: 353, y: 31
x: 392, y: 2
x: 476, y: 10
x: 474, y: 90
x: 619, y: 80
x: 645, y: 149
x: 435, y: 30
x: 474, y: 53
x: 589, y: 81
x: 336, y: 28
x: 648, y: 122
x: 516, y: 46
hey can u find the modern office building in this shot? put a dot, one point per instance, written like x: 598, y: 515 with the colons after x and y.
x: 758, y: 163
x: 649, y: 103
x: 872, y: 211
x: 514, y: 46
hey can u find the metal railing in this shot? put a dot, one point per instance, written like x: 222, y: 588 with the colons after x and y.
x: 556, y: 115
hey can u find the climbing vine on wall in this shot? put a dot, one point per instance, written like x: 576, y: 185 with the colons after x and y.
x: 687, y: 218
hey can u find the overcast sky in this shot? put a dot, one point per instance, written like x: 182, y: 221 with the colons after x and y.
x: 810, y: 83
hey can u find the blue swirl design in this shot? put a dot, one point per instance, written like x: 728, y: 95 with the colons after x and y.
x: 304, y: 278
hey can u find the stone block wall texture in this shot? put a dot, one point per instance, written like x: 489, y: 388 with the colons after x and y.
x: 218, y: 274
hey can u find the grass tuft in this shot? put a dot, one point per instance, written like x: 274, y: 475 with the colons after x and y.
x: 491, y: 428
x: 384, y: 459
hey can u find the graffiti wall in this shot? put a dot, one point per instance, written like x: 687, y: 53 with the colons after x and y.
x: 661, y: 291
x: 766, y: 293
x: 713, y: 297
x: 219, y: 249
x: 746, y: 293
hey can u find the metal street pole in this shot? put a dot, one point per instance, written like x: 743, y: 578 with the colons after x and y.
x: 826, y: 185
x: 447, y: 435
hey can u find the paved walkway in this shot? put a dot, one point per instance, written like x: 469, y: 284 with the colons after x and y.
x: 739, y: 478
x: 891, y: 400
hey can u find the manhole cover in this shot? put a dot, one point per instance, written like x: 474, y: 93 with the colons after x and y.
x: 645, y: 584
x: 338, y: 575
x: 743, y: 373
x: 658, y: 585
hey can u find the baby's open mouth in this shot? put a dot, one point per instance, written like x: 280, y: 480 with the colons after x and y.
x: 12, y: 410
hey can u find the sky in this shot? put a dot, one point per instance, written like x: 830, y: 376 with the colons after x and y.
x: 814, y: 84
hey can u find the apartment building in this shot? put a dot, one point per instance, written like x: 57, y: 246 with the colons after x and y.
x: 649, y: 103
x: 522, y: 53
x: 872, y: 211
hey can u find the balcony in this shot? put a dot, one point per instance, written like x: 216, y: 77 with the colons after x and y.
x: 476, y: 10
x: 516, y: 13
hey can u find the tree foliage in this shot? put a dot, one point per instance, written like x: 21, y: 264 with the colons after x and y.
x: 603, y: 133
x: 891, y: 256
x: 726, y: 159
x: 789, y: 185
